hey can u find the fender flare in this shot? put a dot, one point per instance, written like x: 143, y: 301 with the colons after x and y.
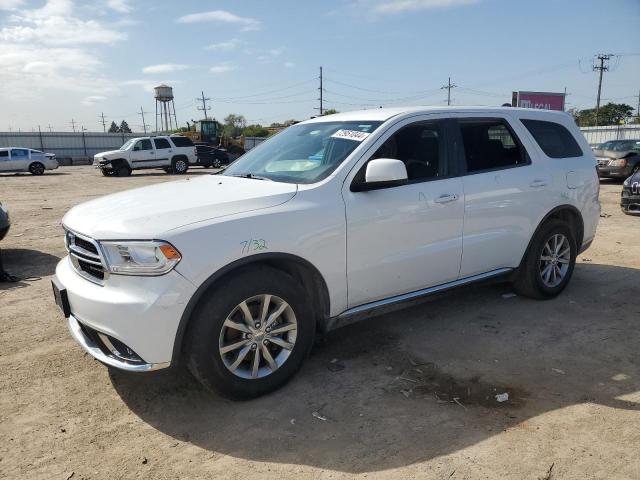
x: 261, y: 258
x: 551, y: 213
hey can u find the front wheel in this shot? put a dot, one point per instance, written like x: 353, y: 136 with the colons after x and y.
x: 252, y: 337
x: 36, y: 168
x: 549, y: 262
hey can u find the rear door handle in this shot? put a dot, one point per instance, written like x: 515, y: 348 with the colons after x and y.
x: 446, y: 198
x: 538, y: 184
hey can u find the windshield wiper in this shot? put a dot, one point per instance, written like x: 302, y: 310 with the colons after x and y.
x: 249, y: 175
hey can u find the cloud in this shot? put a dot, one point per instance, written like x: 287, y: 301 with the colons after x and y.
x: 225, y: 46
x: 289, y: 64
x: 222, y: 68
x: 400, y: 6
x: 10, y: 4
x: 93, y: 99
x: 270, y: 55
x: 165, y: 68
x: 120, y: 6
x: 147, y: 85
x: 221, y: 16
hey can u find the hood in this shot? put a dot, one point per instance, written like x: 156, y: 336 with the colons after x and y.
x: 611, y: 153
x: 110, y: 152
x: 150, y: 212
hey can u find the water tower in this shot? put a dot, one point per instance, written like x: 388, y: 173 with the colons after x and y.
x: 164, y: 106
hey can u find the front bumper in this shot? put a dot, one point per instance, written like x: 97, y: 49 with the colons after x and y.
x: 614, y: 172
x: 630, y: 202
x: 142, y: 313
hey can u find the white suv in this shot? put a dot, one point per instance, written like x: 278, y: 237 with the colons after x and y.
x: 171, y: 153
x: 323, y: 224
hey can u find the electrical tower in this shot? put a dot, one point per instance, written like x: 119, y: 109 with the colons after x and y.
x: 104, y: 124
x: 602, y: 58
x: 321, y: 90
x: 448, y: 86
x: 204, y: 107
x: 144, y: 124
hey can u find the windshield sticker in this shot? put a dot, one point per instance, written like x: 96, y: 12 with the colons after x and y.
x: 351, y: 135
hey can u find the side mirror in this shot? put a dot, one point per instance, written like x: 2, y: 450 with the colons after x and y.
x: 382, y: 173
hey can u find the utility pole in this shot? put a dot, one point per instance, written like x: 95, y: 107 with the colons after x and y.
x: 204, y: 107
x: 602, y: 58
x: 104, y: 125
x: 144, y: 125
x: 73, y: 125
x: 50, y: 129
x: 321, y: 90
x: 448, y: 86
x: 638, y: 109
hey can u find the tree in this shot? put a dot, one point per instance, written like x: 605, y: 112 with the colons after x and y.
x: 234, y: 124
x: 124, y: 127
x: 330, y: 111
x: 255, y: 131
x: 609, y: 114
x: 113, y: 128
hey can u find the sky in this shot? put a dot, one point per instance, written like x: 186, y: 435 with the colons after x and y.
x: 64, y: 60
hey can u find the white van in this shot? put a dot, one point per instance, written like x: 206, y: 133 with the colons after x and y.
x: 14, y: 159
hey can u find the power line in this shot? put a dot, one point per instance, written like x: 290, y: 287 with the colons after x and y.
x: 204, y: 107
x: 602, y: 58
x: 448, y: 86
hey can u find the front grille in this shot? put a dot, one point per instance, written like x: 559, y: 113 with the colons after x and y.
x: 110, y: 345
x: 85, y: 257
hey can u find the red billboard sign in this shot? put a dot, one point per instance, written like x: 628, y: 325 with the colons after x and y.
x: 540, y: 100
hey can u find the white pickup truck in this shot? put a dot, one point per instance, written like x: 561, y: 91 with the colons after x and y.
x: 171, y: 153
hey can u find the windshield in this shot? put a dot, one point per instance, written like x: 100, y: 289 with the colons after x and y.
x: 304, y: 153
x: 127, y: 145
x: 624, y: 146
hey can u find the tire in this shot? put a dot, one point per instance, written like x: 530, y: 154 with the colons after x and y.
x: 216, y: 163
x: 167, y: 169
x: 533, y: 279
x: 180, y: 165
x: 106, y: 173
x: 208, y: 334
x: 122, y: 171
x: 36, y: 168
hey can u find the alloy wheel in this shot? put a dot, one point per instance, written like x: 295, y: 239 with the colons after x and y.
x: 554, y: 260
x: 258, y: 336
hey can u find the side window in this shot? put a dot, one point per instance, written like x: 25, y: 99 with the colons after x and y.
x: 490, y: 144
x: 4, y: 155
x: 182, y: 141
x: 421, y: 147
x: 19, y: 153
x: 554, y: 139
x: 161, y: 143
x: 145, y: 144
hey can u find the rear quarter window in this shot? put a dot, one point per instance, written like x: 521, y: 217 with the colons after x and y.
x: 182, y: 141
x: 554, y: 139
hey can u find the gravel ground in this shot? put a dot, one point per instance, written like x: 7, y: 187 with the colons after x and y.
x: 409, y: 396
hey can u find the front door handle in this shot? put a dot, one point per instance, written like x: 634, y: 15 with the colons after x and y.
x: 446, y: 198
x: 538, y: 183
x: 152, y: 153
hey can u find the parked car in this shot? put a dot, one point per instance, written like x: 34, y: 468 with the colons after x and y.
x: 14, y: 159
x: 330, y: 221
x: 630, y: 196
x: 618, y: 158
x: 210, y: 156
x: 5, y: 221
x: 172, y: 153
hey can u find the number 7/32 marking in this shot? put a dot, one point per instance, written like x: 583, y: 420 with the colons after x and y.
x: 253, y: 245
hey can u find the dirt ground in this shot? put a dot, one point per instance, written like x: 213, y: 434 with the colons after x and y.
x: 402, y: 396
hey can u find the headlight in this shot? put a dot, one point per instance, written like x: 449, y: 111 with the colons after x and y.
x: 140, y: 257
x: 621, y: 162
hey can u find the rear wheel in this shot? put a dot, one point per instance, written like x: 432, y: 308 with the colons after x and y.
x: 549, y: 262
x: 36, y: 168
x: 253, y: 337
x: 179, y: 165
